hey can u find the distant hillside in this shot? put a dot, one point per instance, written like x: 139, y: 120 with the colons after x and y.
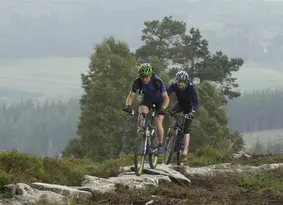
x: 265, y: 138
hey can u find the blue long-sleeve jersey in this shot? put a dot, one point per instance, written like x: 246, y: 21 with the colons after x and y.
x: 186, y: 96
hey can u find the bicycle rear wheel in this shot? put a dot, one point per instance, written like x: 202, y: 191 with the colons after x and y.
x: 179, y: 158
x: 169, y: 145
x: 140, y: 153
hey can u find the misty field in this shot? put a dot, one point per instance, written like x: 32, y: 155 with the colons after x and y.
x: 274, y: 136
x: 54, y: 77
x: 60, y: 77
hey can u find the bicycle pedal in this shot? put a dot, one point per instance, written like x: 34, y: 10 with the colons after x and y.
x: 155, y: 151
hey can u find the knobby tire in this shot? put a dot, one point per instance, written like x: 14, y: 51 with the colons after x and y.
x: 179, y: 158
x: 170, y: 145
x: 140, y: 145
x: 152, y: 158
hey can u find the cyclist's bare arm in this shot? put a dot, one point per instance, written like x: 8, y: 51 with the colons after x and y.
x: 165, y: 100
x: 165, y: 96
x: 132, y: 93
x: 130, y: 98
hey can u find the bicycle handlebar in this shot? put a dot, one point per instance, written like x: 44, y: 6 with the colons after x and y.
x: 185, y: 115
x: 145, y: 122
x: 167, y: 111
x: 136, y: 112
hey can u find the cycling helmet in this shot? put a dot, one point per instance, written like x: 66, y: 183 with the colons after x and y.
x: 182, y: 75
x: 145, y: 69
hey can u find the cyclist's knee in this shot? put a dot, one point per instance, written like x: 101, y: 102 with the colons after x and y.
x: 158, y: 122
x: 159, y: 119
x: 143, y: 109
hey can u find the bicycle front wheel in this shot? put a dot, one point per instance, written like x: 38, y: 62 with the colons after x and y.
x: 140, y: 153
x: 169, y: 146
x: 153, y: 158
x: 179, y: 148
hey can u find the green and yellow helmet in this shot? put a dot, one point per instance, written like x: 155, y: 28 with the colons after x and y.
x: 145, y: 69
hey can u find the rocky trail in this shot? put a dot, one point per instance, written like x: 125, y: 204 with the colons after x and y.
x: 214, y: 184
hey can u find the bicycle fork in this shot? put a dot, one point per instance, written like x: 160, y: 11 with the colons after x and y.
x: 149, y: 137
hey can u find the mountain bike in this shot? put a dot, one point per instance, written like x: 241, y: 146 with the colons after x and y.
x: 174, y: 139
x: 143, y: 144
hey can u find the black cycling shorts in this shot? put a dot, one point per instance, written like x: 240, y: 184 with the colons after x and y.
x: 185, y: 109
x: 149, y: 104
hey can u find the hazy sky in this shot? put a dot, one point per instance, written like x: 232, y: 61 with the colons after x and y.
x: 42, y: 28
x: 36, y: 29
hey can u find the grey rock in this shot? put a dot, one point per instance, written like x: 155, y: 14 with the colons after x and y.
x: 69, y: 192
x: 22, y: 194
x: 193, y: 172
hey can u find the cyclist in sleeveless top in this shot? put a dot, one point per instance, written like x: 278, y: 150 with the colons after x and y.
x: 154, y: 92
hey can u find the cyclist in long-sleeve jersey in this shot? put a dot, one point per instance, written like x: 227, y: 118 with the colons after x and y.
x: 187, y: 102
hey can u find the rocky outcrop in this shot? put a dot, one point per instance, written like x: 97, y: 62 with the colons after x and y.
x: 241, y: 155
x: 162, y: 170
x: 194, y: 172
x: 24, y: 194
x: 58, y: 194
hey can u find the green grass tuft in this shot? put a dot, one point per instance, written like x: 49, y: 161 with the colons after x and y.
x: 21, y: 167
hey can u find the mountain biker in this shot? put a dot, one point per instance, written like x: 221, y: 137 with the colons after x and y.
x: 187, y: 102
x: 154, y: 92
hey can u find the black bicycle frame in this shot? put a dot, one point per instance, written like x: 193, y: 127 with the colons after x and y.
x: 148, y: 124
x: 180, y: 134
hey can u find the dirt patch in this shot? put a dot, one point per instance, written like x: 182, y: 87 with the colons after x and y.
x: 211, y: 190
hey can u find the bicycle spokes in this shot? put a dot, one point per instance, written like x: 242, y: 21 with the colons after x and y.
x: 153, y: 152
x: 169, y: 147
x: 140, y: 153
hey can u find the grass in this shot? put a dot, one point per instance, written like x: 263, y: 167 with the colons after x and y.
x: 263, y: 182
x: 228, y: 188
x: 208, y: 155
x: 20, y: 167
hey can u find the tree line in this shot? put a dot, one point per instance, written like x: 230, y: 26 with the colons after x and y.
x: 38, y: 128
x: 45, y: 128
x: 256, y: 111
x: 101, y: 128
x: 272, y: 147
